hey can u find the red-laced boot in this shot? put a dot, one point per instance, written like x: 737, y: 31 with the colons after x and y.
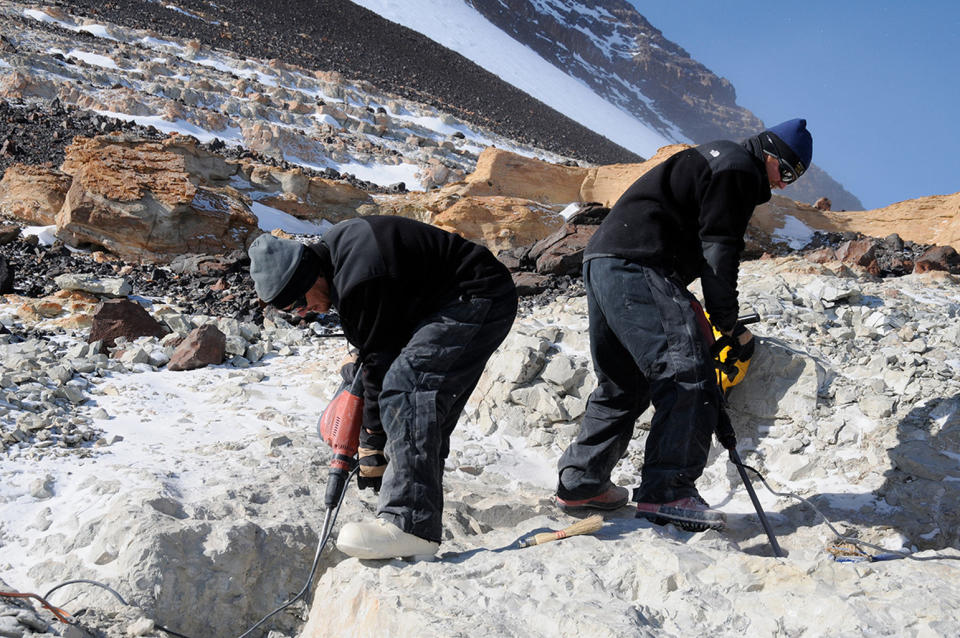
x: 612, y: 498
x: 691, y: 514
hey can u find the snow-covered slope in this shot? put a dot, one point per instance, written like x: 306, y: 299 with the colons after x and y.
x: 461, y: 28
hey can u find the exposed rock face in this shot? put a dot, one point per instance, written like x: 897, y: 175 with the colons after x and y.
x: 500, y: 172
x: 605, y: 184
x: 925, y: 220
x: 610, y: 46
x: 33, y: 194
x: 499, y: 223
x: 137, y: 200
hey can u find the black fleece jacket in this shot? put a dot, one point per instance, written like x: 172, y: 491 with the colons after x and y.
x: 688, y: 216
x: 387, y: 274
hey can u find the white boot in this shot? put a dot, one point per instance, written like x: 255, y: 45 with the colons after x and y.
x: 382, y: 539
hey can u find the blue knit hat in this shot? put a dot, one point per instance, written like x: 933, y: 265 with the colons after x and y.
x: 793, y: 143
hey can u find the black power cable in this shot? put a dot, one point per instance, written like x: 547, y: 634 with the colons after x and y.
x: 886, y: 553
x: 329, y: 520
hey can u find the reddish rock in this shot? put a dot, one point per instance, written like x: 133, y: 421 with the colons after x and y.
x: 938, y: 258
x: 901, y: 266
x: 144, y: 200
x: 8, y: 233
x: 823, y: 203
x: 822, y: 255
x: 530, y: 283
x: 860, y: 252
x: 123, y: 318
x: 562, y: 252
x: 204, y: 346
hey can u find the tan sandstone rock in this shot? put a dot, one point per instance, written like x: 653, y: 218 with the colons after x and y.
x: 925, y: 220
x: 139, y: 199
x: 605, y: 184
x: 33, y: 194
x: 500, y: 172
x: 499, y: 223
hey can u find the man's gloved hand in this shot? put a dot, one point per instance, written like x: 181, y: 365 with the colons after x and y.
x: 732, y: 354
x: 372, y: 466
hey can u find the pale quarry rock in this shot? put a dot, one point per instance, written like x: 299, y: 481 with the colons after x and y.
x: 562, y: 372
x: 104, y: 286
x: 781, y: 380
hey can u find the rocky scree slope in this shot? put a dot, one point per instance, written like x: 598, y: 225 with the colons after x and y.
x: 338, y: 35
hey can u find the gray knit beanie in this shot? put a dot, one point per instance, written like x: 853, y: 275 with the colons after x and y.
x: 273, y: 262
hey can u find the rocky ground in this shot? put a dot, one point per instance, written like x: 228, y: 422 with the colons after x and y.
x: 851, y: 402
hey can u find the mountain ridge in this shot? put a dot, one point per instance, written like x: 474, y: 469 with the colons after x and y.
x: 610, y: 46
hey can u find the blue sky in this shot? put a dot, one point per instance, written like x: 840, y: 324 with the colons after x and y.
x: 878, y: 82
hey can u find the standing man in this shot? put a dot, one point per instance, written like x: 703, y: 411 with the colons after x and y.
x: 426, y: 309
x: 682, y: 220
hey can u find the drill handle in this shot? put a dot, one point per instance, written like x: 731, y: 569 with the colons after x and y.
x: 336, y: 484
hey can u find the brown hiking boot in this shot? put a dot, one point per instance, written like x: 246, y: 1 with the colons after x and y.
x: 614, y: 497
x: 691, y: 514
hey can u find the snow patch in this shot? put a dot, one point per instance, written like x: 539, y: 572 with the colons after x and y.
x: 794, y: 233
x: 271, y: 219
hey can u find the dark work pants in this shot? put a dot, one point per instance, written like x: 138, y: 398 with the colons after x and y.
x: 422, y: 396
x: 646, y: 345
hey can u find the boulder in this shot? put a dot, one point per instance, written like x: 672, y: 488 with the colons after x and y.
x: 861, y: 252
x: 104, y: 286
x: 122, y: 318
x: 139, y: 200
x: 8, y: 233
x: 204, y: 346
x: 605, y: 184
x: 33, y: 194
x: 530, y: 283
x: 823, y: 203
x: 499, y: 223
x: 562, y: 252
x: 503, y: 173
x: 297, y: 194
x: 938, y: 258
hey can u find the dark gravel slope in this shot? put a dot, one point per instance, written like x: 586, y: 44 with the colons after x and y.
x: 340, y: 36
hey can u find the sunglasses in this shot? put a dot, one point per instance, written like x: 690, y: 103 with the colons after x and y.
x: 787, y: 174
